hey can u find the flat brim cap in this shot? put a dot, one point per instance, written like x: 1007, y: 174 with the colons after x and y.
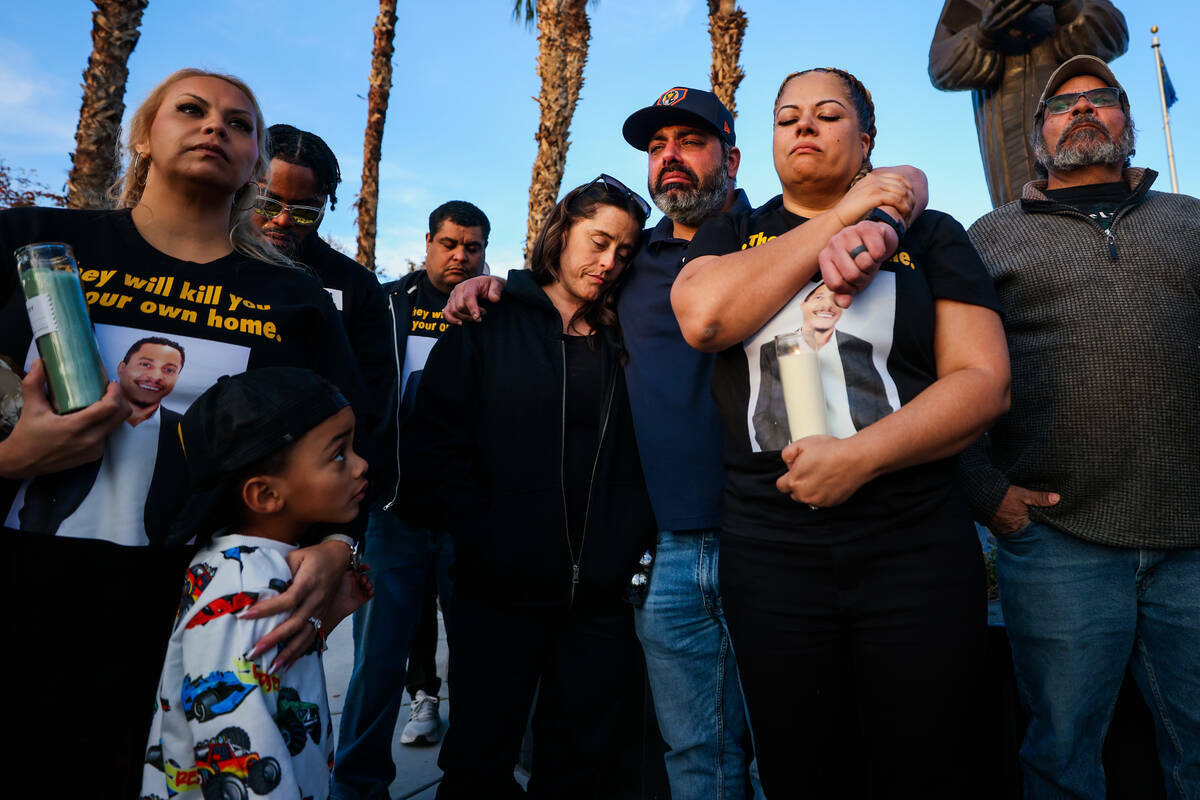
x: 1081, y: 65
x: 680, y: 105
x: 238, y: 421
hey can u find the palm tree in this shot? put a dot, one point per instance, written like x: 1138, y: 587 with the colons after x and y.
x: 726, y: 27
x: 377, y: 103
x: 115, y: 30
x: 563, y: 36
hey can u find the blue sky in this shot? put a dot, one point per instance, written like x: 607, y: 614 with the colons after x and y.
x: 462, y: 118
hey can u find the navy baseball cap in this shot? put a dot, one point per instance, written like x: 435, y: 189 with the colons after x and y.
x: 239, y: 421
x: 680, y: 106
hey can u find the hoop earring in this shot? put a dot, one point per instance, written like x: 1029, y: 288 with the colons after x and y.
x: 133, y: 170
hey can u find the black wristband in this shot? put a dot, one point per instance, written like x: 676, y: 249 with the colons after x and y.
x: 877, y: 215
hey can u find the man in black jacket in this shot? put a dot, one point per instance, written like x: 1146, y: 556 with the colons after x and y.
x: 410, y: 558
x: 304, y: 177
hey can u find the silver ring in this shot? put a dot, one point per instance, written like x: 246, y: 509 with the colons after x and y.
x: 814, y: 508
x: 316, y: 623
x: 862, y: 248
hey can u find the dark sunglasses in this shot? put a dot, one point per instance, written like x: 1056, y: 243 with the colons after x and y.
x: 615, y: 185
x: 270, y: 208
x: 1104, y: 97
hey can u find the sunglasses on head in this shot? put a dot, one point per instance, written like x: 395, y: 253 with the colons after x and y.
x: 271, y: 208
x: 616, y: 186
x: 1104, y: 97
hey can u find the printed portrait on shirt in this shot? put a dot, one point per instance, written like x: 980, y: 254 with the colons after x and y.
x: 133, y: 490
x: 852, y: 344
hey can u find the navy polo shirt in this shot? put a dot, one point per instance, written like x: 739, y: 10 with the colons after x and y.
x: 678, y: 428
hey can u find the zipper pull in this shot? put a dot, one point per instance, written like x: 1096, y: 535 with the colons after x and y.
x: 574, y: 583
x: 1112, y: 244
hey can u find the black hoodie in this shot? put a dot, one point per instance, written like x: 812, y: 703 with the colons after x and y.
x: 482, y: 455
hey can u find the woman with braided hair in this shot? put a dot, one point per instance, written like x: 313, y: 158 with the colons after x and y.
x: 851, y: 575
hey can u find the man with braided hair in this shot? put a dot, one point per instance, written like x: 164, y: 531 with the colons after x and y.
x: 304, y: 176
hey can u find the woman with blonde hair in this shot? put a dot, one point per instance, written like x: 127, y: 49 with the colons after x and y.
x: 850, y: 571
x: 98, y: 565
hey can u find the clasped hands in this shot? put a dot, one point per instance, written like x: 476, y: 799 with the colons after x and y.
x: 850, y: 259
x: 823, y: 471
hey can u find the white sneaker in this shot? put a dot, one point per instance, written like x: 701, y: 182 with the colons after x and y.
x: 424, y: 724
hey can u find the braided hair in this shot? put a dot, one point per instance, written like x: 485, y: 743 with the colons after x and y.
x: 860, y: 98
x: 306, y: 149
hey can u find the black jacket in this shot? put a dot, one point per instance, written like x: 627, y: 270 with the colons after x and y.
x: 358, y: 295
x: 482, y: 453
x: 399, y: 294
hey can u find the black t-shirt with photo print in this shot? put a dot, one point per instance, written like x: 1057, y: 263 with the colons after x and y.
x: 96, y: 611
x: 1099, y: 201
x: 425, y: 326
x: 230, y: 315
x: 878, y: 356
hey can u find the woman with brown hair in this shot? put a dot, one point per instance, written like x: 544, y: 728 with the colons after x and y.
x: 522, y: 440
x: 99, y: 571
x: 850, y: 571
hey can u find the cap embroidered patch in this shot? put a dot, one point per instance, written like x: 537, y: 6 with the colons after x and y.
x: 671, y: 97
x: 727, y: 127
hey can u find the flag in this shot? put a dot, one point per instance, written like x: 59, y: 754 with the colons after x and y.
x: 1168, y: 89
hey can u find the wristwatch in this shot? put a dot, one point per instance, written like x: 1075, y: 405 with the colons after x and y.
x: 897, y: 225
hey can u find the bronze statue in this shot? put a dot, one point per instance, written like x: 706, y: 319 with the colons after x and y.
x: 1004, y: 52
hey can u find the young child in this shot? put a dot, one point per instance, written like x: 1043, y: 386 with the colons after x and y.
x: 270, y: 456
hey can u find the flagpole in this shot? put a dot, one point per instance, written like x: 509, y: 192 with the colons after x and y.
x: 1162, y: 95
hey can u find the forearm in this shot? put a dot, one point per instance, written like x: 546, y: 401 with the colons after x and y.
x: 720, y: 300
x: 964, y: 60
x: 971, y: 391
x: 920, y: 191
x: 938, y: 423
x: 1089, y: 26
x: 983, y: 484
x: 14, y: 461
x: 44, y: 441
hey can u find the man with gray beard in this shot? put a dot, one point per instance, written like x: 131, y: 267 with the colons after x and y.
x: 1092, y: 481
x: 693, y: 162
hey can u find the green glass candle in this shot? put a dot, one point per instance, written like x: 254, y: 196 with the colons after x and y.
x: 62, y: 329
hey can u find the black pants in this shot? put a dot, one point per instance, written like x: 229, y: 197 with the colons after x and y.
x: 88, y: 628
x: 422, y: 656
x: 587, y: 726
x: 859, y: 661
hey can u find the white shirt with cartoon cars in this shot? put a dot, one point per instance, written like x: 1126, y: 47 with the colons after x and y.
x: 224, y: 727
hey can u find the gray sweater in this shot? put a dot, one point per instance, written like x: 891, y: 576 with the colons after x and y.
x: 1104, y: 334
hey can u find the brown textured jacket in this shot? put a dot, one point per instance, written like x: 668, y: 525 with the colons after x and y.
x: 1104, y: 336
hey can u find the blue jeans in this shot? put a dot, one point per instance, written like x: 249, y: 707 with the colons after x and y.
x: 1078, y: 615
x: 692, y: 671
x: 402, y: 559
